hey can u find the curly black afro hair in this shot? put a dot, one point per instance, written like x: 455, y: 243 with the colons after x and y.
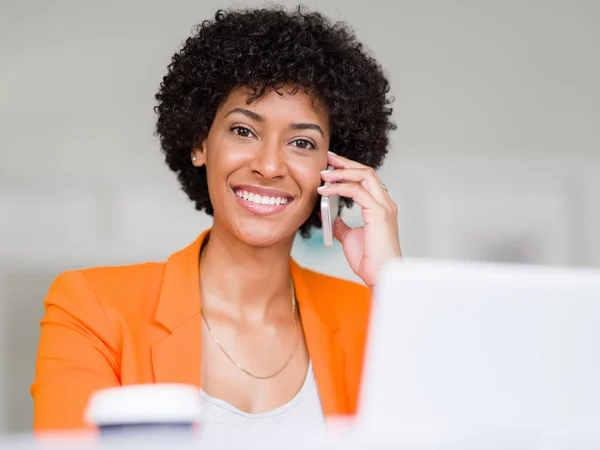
x: 267, y: 49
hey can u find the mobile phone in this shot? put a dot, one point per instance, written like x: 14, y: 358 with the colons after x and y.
x: 330, y: 208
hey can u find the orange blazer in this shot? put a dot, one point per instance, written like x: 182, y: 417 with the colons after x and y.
x: 112, y: 326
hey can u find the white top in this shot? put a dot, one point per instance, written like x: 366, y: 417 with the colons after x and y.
x: 301, y: 414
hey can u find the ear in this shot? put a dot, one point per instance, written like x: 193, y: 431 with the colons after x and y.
x: 198, y: 154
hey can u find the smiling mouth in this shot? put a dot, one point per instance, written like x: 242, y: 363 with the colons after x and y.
x: 264, y: 199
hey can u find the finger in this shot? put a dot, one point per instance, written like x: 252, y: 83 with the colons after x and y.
x: 354, y: 191
x: 340, y: 229
x: 366, y: 177
x: 343, y: 163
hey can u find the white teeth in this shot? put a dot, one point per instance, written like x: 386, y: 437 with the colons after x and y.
x: 261, y: 199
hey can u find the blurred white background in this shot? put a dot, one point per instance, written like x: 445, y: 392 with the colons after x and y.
x: 496, y: 156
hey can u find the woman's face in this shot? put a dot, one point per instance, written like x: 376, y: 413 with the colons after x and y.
x: 263, y: 163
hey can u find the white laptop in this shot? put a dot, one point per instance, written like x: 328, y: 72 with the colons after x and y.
x: 468, y: 349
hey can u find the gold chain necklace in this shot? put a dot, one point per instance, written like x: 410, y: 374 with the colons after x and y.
x: 239, y: 366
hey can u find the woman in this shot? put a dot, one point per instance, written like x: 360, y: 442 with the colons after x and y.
x: 247, y: 114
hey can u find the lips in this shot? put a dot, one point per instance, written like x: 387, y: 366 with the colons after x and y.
x: 262, y: 201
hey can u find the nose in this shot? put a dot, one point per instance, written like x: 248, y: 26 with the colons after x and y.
x: 268, y: 163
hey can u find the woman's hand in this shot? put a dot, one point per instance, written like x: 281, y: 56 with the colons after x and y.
x: 369, y: 247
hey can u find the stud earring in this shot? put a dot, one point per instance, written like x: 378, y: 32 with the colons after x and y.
x: 194, y: 158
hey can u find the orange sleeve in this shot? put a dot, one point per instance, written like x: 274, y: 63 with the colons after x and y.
x: 77, y: 354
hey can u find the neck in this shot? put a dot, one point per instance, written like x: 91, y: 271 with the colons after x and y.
x: 244, y: 280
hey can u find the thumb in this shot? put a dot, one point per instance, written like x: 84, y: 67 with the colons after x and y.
x: 340, y: 229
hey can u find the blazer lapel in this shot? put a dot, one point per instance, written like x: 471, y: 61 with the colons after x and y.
x: 176, y: 358
x: 321, y: 334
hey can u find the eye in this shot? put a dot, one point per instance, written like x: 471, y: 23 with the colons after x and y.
x: 303, y: 144
x: 242, y: 132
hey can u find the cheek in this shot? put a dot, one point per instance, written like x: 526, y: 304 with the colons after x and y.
x: 309, y: 178
x: 224, y: 157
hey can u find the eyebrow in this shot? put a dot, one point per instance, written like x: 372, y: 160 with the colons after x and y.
x: 259, y: 118
x: 247, y: 113
x: 306, y: 126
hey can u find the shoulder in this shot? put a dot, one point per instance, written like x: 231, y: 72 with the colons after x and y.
x: 114, y: 288
x: 348, y: 301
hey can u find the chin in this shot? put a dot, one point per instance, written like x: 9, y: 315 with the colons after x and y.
x: 261, y: 233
